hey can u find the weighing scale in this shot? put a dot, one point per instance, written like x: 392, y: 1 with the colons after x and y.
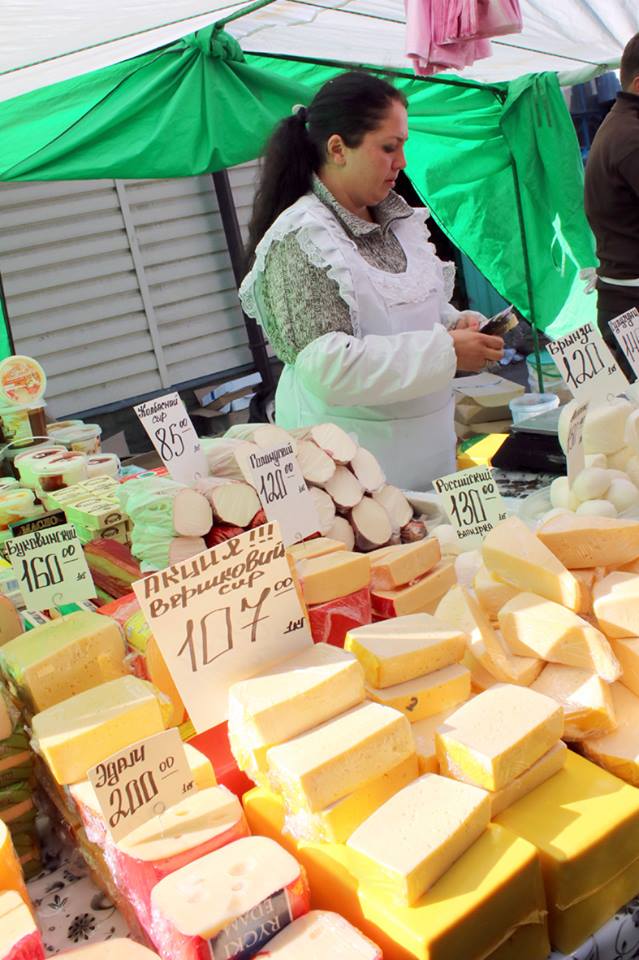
x: 533, y: 446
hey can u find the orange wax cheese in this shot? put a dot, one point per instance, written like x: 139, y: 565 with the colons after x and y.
x: 416, y: 597
x: 10, y: 873
x: 396, y: 566
x: 333, y: 575
x: 582, y: 541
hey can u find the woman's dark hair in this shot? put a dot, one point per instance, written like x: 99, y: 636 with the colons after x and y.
x: 351, y: 105
x: 630, y: 62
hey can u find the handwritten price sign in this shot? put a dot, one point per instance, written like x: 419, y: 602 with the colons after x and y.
x: 141, y: 781
x: 222, y: 616
x: 626, y: 330
x: 575, y: 445
x: 587, y: 365
x: 50, y: 567
x: 173, y: 435
x: 276, y: 475
x: 472, y: 502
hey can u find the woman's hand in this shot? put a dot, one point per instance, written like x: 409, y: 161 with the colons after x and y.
x: 476, y: 350
x: 469, y: 320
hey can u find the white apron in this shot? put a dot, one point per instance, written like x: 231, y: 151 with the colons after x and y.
x: 379, y: 388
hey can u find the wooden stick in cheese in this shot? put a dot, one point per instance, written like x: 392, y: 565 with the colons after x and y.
x: 534, y: 626
x: 618, y: 752
x: 496, y: 736
x: 616, y: 604
x: 586, y: 700
x: 427, y: 695
x: 395, y: 651
x: 582, y: 541
x: 396, y: 566
x: 321, y: 935
x: 19, y: 937
x: 333, y: 575
x: 517, y: 556
x: 406, y: 851
x: 542, y: 770
x: 417, y: 597
x: 329, y: 762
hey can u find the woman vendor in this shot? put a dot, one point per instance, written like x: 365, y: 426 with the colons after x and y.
x: 348, y: 289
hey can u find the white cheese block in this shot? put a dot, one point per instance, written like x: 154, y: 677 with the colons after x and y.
x: 618, y: 751
x: 586, y: 700
x: 426, y: 695
x: 321, y: 935
x: 616, y: 604
x: 491, y: 592
x: 542, y: 770
x: 626, y: 649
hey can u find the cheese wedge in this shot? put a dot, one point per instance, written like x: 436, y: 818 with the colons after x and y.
x: 317, y: 547
x: 19, y: 936
x: 402, y: 649
x: 424, y: 736
x: 544, y: 768
x: 616, y: 604
x: 396, y: 566
x: 587, y: 579
x: 333, y: 575
x: 407, y: 852
x: 497, y: 735
x: 618, y: 752
x: 626, y: 649
x: 417, y: 597
x: 336, y: 823
x: 492, y: 593
x: 517, y: 556
x: 480, y: 679
x: 427, y: 695
x: 586, y: 700
x: 81, y: 731
x: 63, y: 657
x: 534, y: 626
x: 582, y: 541
x: 330, y: 761
x: 459, y: 608
x: 321, y: 935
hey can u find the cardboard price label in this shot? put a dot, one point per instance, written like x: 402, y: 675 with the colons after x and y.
x: 222, y: 616
x: 626, y: 329
x: 173, y: 435
x: 141, y: 781
x: 575, y: 457
x: 472, y: 502
x: 587, y: 366
x: 276, y: 475
x: 50, y: 567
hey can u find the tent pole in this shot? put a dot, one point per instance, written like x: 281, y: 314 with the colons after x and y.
x: 4, y: 317
x: 230, y: 223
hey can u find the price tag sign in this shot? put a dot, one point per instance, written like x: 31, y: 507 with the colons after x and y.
x: 575, y: 457
x: 285, y: 499
x: 173, y: 435
x: 587, y: 366
x: 141, y: 781
x: 50, y: 567
x: 472, y: 502
x: 223, y: 616
x: 626, y: 329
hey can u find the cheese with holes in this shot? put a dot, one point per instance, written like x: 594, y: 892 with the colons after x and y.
x: 230, y: 902
x: 616, y: 604
x: 582, y: 541
x: 330, y: 761
x: 81, y: 731
x: 461, y: 609
x: 393, y: 567
x: 63, y: 657
x: 426, y: 695
x: 497, y: 735
x: 336, y: 823
x: 492, y: 593
x: 10, y: 873
x: 626, y: 649
x: 618, y: 751
x: 333, y: 575
x: 544, y: 768
x: 516, y: 555
x: 406, y: 852
x: 586, y: 700
x: 417, y: 597
x: 402, y: 649
x: 19, y: 936
x: 424, y: 736
x: 317, y: 547
x: 321, y: 935
x: 534, y: 626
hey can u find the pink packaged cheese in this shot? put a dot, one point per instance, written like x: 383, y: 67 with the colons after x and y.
x: 321, y: 935
x: 331, y: 621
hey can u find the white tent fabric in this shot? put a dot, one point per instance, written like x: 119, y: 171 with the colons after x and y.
x: 45, y: 41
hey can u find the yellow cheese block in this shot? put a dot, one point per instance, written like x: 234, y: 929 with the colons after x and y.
x: 585, y: 824
x: 580, y: 541
x: 534, y: 626
x: 426, y: 695
x: 471, y: 912
x: 396, y: 566
x: 406, y: 860
x: 333, y: 575
x: 161, y: 677
x: 10, y: 622
x: 492, y: 593
x: 341, y: 755
x: 586, y: 700
x: 459, y: 608
x: 544, y: 768
x: 418, y: 597
x: 626, y: 649
x: 497, y: 735
x: 336, y: 823
x: 516, y: 555
x: 318, y: 547
x: 63, y: 657
x: 83, y: 730
x: 16, y: 923
x: 480, y: 679
x: 616, y: 604
x: 395, y: 651
x: 10, y: 871
x: 528, y: 941
x: 424, y: 736
x: 618, y: 751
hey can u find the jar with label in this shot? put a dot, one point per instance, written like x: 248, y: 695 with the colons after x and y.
x: 84, y: 438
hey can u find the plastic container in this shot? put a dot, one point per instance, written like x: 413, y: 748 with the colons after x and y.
x: 22, y: 423
x: 22, y: 381
x: 84, y: 438
x: 551, y: 377
x: 103, y: 465
x: 16, y: 504
x: 61, y: 471
x: 27, y: 461
x: 531, y: 405
x: 56, y: 425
